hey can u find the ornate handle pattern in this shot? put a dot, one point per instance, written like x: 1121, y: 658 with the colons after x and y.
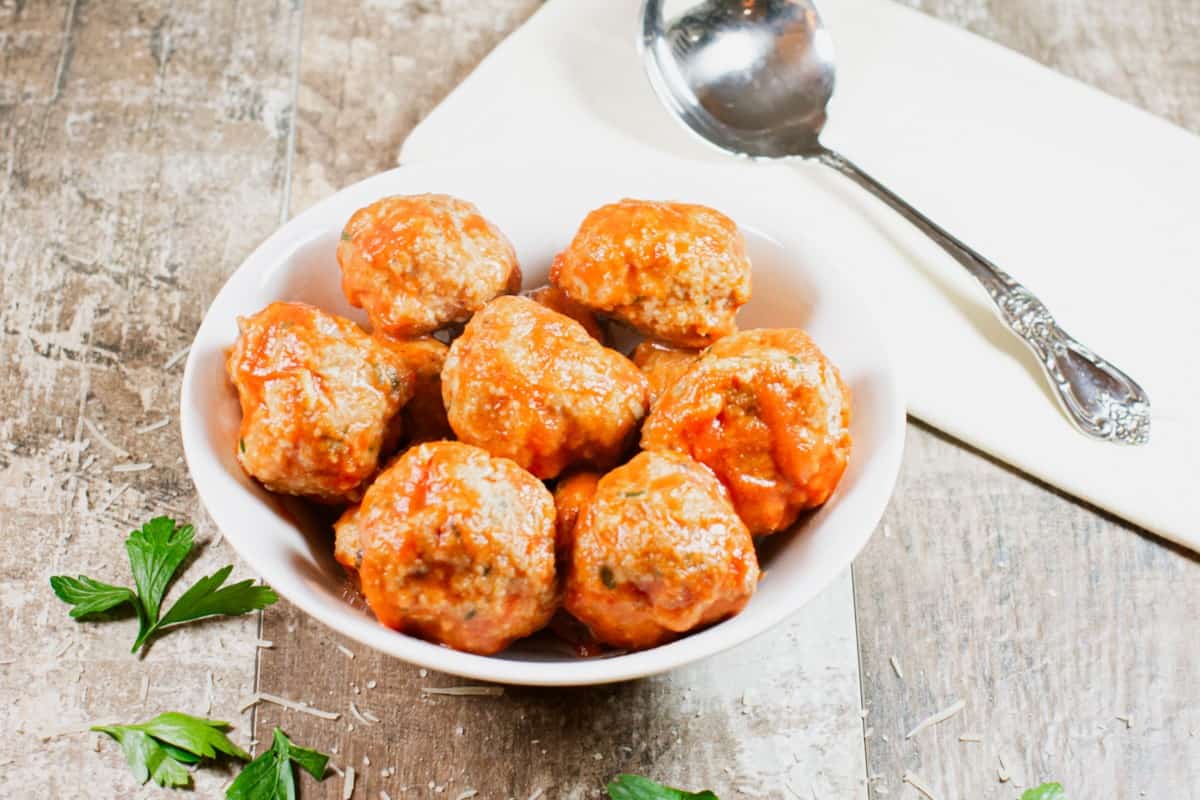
x: 1099, y: 399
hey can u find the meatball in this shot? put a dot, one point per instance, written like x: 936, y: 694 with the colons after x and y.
x: 769, y: 414
x: 529, y: 384
x: 662, y: 365
x: 555, y: 300
x: 424, y: 416
x: 419, y: 262
x: 319, y: 401
x: 658, y: 551
x: 455, y: 546
x: 571, y: 495
x: 673, y: 271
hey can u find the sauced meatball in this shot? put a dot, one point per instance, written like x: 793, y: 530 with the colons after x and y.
x: 571, y: 496
x: 769, y: 414
x: 662, y: 365
x: 673, y: 271
x: 419, y: 262
x: 529, y: 384
x: 319, y: 398
x: 455, y: 546
x: 658, y: 551
x: 424, y: 416
x: 556, y: 300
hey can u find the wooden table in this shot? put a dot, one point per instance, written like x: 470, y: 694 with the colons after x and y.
x: 146, y: 147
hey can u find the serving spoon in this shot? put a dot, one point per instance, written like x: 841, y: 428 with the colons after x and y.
x: 754, y: 77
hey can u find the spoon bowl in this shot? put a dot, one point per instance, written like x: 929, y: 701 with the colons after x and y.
x: 752, y: 78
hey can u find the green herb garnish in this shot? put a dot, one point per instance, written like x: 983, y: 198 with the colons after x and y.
x: 634, y: 787
x: 271, y: 777
x: 607, y: 578
x: 156, y: 552
x: 162, y: 748
x: 1047, y: 791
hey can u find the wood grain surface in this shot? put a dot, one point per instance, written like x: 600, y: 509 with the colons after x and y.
x: 146, y: 146
x: 143, y: 153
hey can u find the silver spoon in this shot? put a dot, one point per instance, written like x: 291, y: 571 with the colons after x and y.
x: 753, y: 77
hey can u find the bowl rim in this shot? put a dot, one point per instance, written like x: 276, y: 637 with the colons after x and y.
x: 366, y: 630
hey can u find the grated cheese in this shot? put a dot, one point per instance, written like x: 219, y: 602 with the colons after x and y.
x: 536, y: 794
x: 264, y: 643
x: 358, y: 715
x: 467, y: 795
x: 348, y: 784
x: 971, y: 737
x: 934, y: 719
x: 145, y: 688
x: 153, y: 426
x: 66, y: 646
x: 371, y: 684
x: 264, y: 697
x: 896, y: 668
x: 346, y: 651
x: 119, y: 452
x: 371, y: 718
x: 464, y: 691
x: 209, y: 698
x: 917, y: 783
x: 141, y: 466
x: 384, y: 795
x: 120, y: 490
x: 176, y: 358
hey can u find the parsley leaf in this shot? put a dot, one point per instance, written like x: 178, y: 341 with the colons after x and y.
x: 89, y: 596
x: 156, y: 551
x: 161, y: 748
x: 270, y: 776
x: 207, y: 598
x: 634, y: 787
x: 202, y: 737
x: 1047, y: 791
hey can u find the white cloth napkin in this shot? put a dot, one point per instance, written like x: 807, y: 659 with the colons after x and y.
x: 1091, y: 203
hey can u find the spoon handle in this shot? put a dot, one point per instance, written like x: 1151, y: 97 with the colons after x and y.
x: 1099, y: 399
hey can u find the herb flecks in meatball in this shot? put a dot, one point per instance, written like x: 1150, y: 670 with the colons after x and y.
x: 417, y: 263
x: 320, y: 399
x: 769, y: 414
x: 674, y: 271
x: 529, y: 384
x: 424, y: 416
x: 657, y: 552
x: 455, y: 546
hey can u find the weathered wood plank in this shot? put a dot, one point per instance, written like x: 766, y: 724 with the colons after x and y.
x: 369, y: 75
x: 1143, y: 53
x: 1050, y: 620
x: 142, y: 154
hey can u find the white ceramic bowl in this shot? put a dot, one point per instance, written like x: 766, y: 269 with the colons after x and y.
x: 796, y: 283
